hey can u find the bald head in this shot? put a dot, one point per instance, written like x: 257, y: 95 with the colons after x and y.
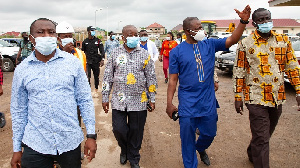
x: 128, y: 28
x: 187, y: 22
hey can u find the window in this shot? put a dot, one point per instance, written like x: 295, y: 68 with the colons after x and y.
x: 285, y: 31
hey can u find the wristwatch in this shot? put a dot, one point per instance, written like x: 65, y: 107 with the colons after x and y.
x: 244, y: 21
x: 93, y: 136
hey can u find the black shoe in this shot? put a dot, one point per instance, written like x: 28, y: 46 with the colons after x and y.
x: 123, y: 159
x: 136, y: 165
x: 166, y: 80
x: 2, y: 120
x: 204, y: 158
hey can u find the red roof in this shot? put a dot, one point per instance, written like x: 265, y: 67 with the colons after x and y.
x: 178, y: 27
x: 155, y: 25
x: 13, y: 33
x: 276, y: 22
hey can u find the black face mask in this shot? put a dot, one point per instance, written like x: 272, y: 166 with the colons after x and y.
x: 25, y: 38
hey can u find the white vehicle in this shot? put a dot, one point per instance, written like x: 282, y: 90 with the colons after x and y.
x: 296, y: 47
x: 8, y: 54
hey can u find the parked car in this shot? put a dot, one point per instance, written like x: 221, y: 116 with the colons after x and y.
x: 296, y: 47
x: 225, y: 59
x: 13, y: 41
x: 8, y: 54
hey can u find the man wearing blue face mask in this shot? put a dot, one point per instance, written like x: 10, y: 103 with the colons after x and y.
x: 46, y: 90
x: 258, y: 77
x: 111, y: 43
x: 192, y: 64
x: 130, y: 73
x: 94, y: 51
x: 148, y: 45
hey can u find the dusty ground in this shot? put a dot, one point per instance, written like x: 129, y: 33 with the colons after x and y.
x: 161, y: 144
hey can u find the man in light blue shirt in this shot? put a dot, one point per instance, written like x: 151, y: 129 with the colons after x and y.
x: 111, y: 43
x: 47, y: 88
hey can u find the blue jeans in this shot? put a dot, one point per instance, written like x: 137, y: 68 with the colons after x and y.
x: 207, y: 126
x: 34, y: 159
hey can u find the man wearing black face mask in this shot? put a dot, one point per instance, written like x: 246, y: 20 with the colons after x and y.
x: 192, y: 63
x: 260, y: 64
x: 25, y: 48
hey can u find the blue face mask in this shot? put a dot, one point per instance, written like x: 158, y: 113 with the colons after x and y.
x: 179, y: 39
x: 265, y: 27
x: 113, y: 37
x: 144, y: 39
x: 93, y: 33
x: 132, y: 42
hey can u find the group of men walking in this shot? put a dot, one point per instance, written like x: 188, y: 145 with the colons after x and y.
x: 51, y: 84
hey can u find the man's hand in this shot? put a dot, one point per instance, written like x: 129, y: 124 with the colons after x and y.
x: 16, y: 160
x: 245, y: 14
x: 17, y: 62
x: 160, y: 58
x: 298, y: 101
x: 170, y: 109
x: 1, y: 90
x: 101, y: 62
x: 105, y: 106
x: 152, y: 106
x: 239, y: 107
x: 68, y: 47
x: 90, y: 148
x: 216, y: 86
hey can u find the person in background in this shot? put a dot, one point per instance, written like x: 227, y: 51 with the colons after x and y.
x: 130, y: 73
x: 26, y: 48
x: 148, y: 45
x: 193, y: 63
x: 167, y: 46
x: 179, y: 38
x: 2, y: 117
x: 46, y: 90
x: 92, y: 46
x: 258, y: 76
x: 157, y: 43
x: 111, y: 43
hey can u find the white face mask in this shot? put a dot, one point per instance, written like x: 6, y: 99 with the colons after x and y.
x: 200, y: 35
x: 66, y: 41
x: 45, y: 45
x: 168, y: 38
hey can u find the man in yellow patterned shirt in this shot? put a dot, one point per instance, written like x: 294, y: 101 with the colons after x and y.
x: 258, y: 76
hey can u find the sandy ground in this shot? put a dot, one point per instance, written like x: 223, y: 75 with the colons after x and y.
x: 161, y: 144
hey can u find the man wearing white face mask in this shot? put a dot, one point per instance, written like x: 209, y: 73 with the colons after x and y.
x: 130, y: 73
x: 192, y: 63
x: 66, y: 42
x: 46, y: 90
x: 258, y: 75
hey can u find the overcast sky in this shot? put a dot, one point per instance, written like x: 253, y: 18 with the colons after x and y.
x: 17, y: 15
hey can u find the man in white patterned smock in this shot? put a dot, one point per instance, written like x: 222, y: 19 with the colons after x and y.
x: 130, y: 72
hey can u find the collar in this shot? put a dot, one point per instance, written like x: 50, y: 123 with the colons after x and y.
x: 258, y: 36
x: 137, y: 48
x: 58, y: 54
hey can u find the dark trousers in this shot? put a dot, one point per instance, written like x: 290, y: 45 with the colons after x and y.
x: 95, y: 67
x: 128, y: 128
x: 263, y: 121
x: 33, y: 159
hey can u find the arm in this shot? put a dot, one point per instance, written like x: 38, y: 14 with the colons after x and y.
x: 150, y: 80
x: 170, y: 94
x: 239, y: 74
x: 105, y: 47
x: 292, y: 70
x: 83, y: 47
x: 101, y: 50
x: 107, y: 83
x: 155, y: 52
x: 18, y: 55
x: 237, y: 33
x: 1, y: 81
x: 216, y: 80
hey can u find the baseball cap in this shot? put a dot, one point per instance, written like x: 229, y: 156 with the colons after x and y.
x: 91, y: 28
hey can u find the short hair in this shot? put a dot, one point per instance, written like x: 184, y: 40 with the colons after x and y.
x: 45, y: 19
x: 258, y: 10
x: 187, y: 22
x: 125, y: 28
x: 23, y: 33
x: 110, y: 33
x: 172, y: 35
x: 143, y: 30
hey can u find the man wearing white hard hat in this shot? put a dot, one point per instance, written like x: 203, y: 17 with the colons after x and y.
x: 65, y: 37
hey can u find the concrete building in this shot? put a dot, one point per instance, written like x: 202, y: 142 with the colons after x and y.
x: 155, y: 29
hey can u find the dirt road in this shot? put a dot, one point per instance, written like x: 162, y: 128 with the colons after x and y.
x: 161, y: 144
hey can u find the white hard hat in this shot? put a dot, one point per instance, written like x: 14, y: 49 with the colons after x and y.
x: 64, y: 27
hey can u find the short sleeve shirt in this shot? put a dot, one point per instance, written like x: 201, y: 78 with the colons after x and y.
x: 196, y: 98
